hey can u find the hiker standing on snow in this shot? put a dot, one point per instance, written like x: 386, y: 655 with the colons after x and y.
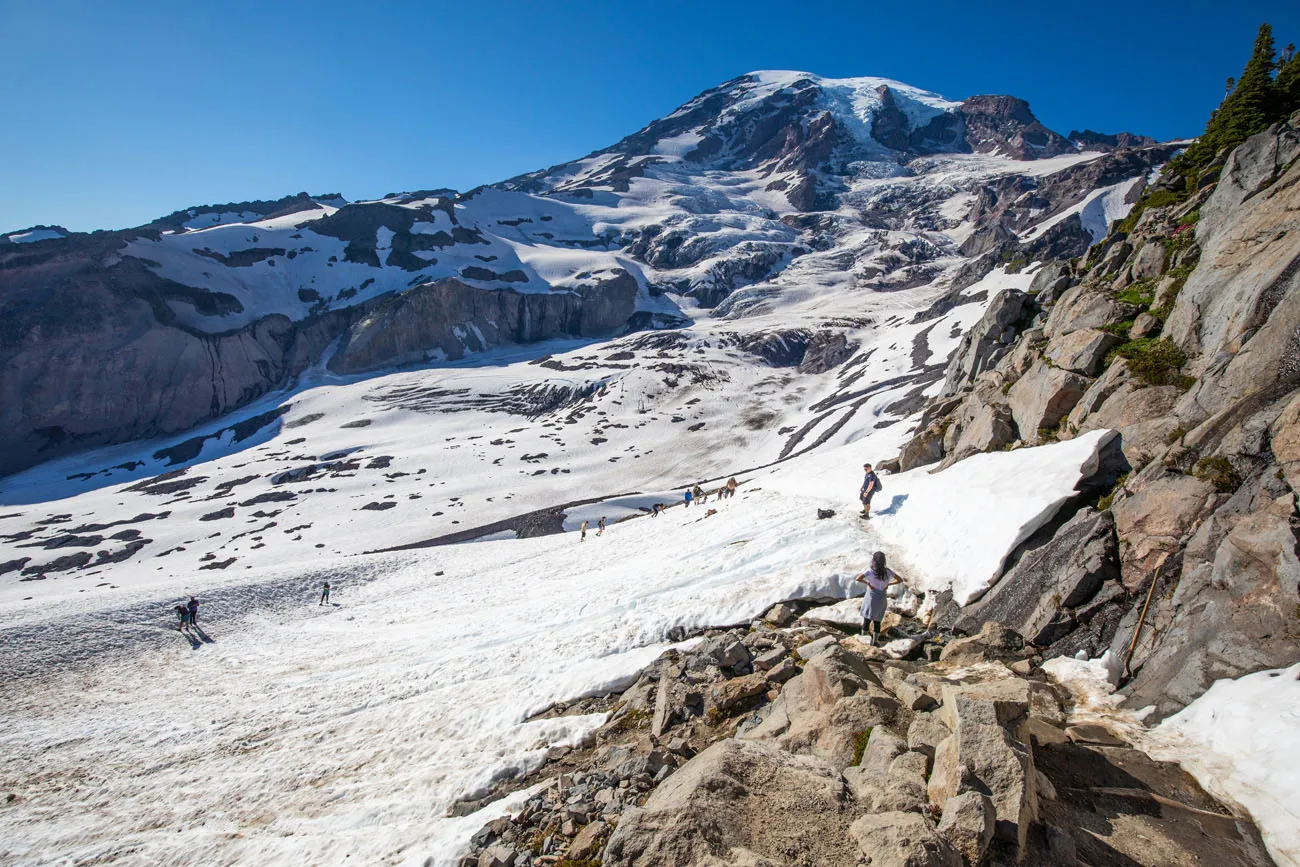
x: 659, y: 507
x: 324, y: 593
x: 731, y: 487
x: 689, y: 496
x: 878, y: 579
x: 870, y: 485
x: 583, y: 528
x: 600, y: 528
x: 193, y: 607
x: 184, y: 616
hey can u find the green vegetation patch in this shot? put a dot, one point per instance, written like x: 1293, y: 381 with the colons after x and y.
x: 1108, y: 498
x: 1119, y: 329
x: 1140, y: 293
x: 1218, y: 472
x: 1155, y: 361
x: 860, y: 740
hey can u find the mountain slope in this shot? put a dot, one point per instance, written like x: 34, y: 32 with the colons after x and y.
x: 201, y: 312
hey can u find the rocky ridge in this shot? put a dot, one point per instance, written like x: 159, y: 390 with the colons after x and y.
x: 1179, y: 332
x: 793, y: 741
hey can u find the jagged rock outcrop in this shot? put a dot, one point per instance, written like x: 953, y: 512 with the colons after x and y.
x: 1179, y: 333
x: 985, y: 746
x: 984, y: 344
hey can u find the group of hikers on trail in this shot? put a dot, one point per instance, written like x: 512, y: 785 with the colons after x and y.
x: 696, y: 494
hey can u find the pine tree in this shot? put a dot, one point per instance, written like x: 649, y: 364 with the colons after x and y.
x: 1252, y: 106
x: 1249, y: 108
x: 1287, y: 85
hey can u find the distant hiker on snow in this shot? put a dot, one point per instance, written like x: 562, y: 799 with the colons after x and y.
x: 183, y: 614
x: 689, y: 496
x: 731, y: 487
x: 878, y: 579
x: 600, y: 528
x: 583, y: 528
x: 659, y: 507
x: 870, y: 486
x: 324, y: 593
x: 698, y: 493
x: 193, y: 607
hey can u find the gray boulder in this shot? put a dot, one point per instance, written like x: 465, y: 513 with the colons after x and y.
x: 967, y: 823
x: 1082, y: 351
x: 987, y: 758
x: 900, y: 839
x: 739, y: 803
x: 1044, y: 396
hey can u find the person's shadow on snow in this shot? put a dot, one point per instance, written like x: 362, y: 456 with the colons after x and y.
x: 207, y: 639
x: 894, y: 505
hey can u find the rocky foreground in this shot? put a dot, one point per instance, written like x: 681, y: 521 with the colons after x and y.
x: 794, y: 742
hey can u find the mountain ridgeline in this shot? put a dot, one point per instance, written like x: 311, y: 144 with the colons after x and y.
x: 116, y: 336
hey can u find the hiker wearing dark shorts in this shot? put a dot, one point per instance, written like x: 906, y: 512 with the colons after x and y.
x: 878, y: 580
x: 870, y: 484
x: 193, y: 607
x: 183, y: 615
x: 324, y: 593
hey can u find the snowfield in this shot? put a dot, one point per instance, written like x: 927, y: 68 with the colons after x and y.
x: 1239, y: 741
x: 308, y: 733
x: 297, y: 732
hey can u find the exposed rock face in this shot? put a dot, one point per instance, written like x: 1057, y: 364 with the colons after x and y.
x: 446, y: 318
x: 1040, y: 595
x: 747, y: 802
x: 86, y: 360
x: 1082, y: 351
x: 1044, y: 396
x: 1207, y: 519
x: 826, y: 350
x: 1154, y: 523
x: 984, y: 345
x: 1233, y: 611
x: 1004, y: 125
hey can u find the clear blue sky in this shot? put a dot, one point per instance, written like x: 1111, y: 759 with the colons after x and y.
x: 116, y: 112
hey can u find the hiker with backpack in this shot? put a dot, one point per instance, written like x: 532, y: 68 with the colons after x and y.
x: 878, y: 580
x: 870, y: 487
x: 689, y: 496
